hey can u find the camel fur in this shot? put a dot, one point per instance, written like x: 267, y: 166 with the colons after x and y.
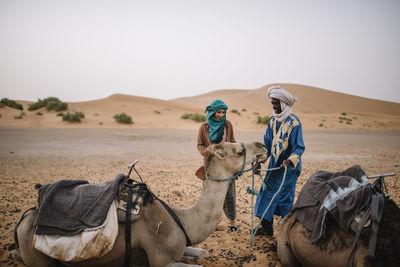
x: 296, y: 249
x: 156, y: 239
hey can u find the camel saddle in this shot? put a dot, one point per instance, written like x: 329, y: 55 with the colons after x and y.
x: 341, y: 195
x: 67, y: 207
x: 345, y: 196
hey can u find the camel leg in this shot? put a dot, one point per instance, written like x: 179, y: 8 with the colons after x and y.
x: 195, y: 253
x: 285, y: 253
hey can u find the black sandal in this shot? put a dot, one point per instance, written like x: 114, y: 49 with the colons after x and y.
x: 232, y: 229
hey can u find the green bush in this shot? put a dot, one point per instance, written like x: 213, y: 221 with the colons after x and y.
x: 51, y: 103
x: 186, y: 116
x: 256, y: 113
x: 198, y: 117
x: 344, y: 113
x: 2, y: 105
x: 244, y: 110
x: 20, y: 116
x: 11, y: 103
x: 73, y: 117
x: 123, y: 118
x: 39, y: 113
x: 195, y: 117
x: 60, y: 114
x: 321, y: 124
x: 262, y: 120
x: 235, y: 111
x: 56, y: 105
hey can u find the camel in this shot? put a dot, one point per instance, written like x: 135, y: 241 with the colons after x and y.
x: 156, y: 239
x: 295, y: 248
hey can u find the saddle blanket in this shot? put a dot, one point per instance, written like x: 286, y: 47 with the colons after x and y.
x: 340, y: 195
x: 67, y: 207
x: 90, y: 243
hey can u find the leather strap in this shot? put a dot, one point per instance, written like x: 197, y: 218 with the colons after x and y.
x: 178, y: 222
x: 377, y: 204
x: 361, y: 224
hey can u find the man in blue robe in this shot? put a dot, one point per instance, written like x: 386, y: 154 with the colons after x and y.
x: 283, y: 140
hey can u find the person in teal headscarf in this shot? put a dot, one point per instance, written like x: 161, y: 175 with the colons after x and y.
x: 218, y: 129
x: 216, y: 118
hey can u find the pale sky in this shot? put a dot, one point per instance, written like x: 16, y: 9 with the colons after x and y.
x: 81, y: 50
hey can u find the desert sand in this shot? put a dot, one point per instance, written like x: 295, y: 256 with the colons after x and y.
x: 43, y: 149
x: 318, y: 109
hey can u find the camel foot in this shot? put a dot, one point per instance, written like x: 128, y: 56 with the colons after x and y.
x: 195, y: 253
x: 16, y: 255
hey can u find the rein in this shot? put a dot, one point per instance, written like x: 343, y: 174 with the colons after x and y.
x: 236, y: 175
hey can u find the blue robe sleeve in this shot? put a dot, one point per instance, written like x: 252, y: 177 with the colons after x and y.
x: 297, y: 145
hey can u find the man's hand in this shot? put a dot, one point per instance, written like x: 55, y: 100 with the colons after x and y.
x: 287, y: 163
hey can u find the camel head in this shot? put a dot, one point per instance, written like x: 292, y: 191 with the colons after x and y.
x: 229, y: 157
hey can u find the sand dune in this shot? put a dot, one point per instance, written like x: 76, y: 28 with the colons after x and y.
x: 42, y: 149
x: 317, y: 109
x: 311, y: 100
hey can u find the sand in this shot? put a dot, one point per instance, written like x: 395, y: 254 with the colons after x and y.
x: 339, y: 130
x: 318, y: 109
x: 167, y: 161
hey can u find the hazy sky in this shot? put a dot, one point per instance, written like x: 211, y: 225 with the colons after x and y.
x: 85, y: 50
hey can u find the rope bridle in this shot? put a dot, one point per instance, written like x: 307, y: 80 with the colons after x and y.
x: 236, y: 175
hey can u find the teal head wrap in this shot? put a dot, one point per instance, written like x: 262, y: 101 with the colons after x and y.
x: 216, y: 127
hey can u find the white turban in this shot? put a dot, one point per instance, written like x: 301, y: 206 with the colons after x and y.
x: 286, y: 100
x: 284, y: 96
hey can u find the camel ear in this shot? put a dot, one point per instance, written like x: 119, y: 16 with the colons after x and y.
x: 217, y: 151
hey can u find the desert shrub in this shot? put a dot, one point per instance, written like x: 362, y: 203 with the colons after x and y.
x: 244, y: 110
x: 39, y: 113
x: 262, y: 120
x: 235, y: 111
x: 344, y: 113
x: 198, y: 117
x: 256, y: 113
x: 56, y: 105
x: 348, y: 122
x: 340, y: 121
x: 157, y: 112
x: 186, y: 116
x: 73, y: 117
x: 51, y: 103
x: 321, y: 124
x: 195, y: 117
x: 2, y: 105
x: 39, y: 104
x: 60, y: 114
x: 20, y: 116
x: 11, y: 103
x: 123, y: 118
x: 344, y: 119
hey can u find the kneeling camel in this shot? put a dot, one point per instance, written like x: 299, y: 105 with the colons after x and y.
x: 156, y: 239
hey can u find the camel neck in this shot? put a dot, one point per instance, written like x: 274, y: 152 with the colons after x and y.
x: 201, y: 219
